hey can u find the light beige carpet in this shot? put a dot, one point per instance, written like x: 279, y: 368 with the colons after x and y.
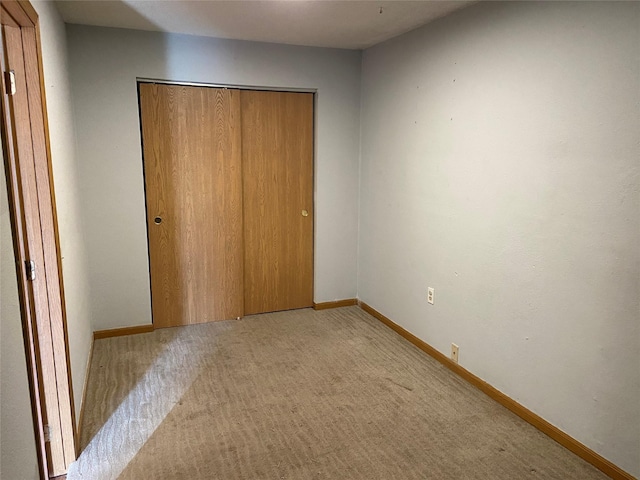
x: 298, y: 395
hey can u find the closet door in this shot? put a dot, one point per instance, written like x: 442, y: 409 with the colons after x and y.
x: 277, y: 165
x: 192, y: 161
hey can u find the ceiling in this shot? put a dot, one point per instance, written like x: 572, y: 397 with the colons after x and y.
x: 320, y: 23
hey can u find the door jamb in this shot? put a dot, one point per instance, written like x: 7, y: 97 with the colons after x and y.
x: 21, y: 14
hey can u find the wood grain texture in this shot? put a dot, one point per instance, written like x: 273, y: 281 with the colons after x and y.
x: 277, y: 165
x: 35, y: 249
x: 32, y: 14
x: 29, y: 11
x: 527, y: 415
x: 22, y: 13
x: 120, y: 332
x: 335, y: 304
x: 51, y: 267
x: 7, y: 19
x: 192, y: 161
x: 18, y: 224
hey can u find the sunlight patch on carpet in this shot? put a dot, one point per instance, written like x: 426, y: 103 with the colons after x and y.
x: 141, y: 413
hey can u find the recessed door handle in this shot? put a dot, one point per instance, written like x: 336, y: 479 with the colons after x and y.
x: 305, y: 213
x: 157, y: 220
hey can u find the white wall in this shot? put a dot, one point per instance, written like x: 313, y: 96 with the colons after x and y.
x: 18, y: 457
x: 105, y: 63
x: 500, y: 165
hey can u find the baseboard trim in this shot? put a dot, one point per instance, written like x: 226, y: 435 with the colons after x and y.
x: 119, y: 332
x: 115, y: 332
x: 349, y: 302
x: 83, y: 399
x: 584, y: 452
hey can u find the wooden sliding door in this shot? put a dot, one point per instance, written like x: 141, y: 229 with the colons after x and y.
x: 277, y: 164
x: 229, y: 191
x: 192, y: 162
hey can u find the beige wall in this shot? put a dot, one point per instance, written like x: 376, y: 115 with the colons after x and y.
x: 500, y: 165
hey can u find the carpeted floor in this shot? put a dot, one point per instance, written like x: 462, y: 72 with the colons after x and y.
x: 298, y: 395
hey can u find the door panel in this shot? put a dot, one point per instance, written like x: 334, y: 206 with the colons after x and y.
x: 50, y: 247
x: 277, y: 165
x: 27, y: 160
x: 192, y: 160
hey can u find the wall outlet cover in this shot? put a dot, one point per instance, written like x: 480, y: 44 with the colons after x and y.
x: 454, y: 352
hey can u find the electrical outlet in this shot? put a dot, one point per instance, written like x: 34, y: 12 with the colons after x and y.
x: 454, y: 352
x: 430, y: 293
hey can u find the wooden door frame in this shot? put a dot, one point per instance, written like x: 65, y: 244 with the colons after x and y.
x: 22, y: 15
x: 230, y: 86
